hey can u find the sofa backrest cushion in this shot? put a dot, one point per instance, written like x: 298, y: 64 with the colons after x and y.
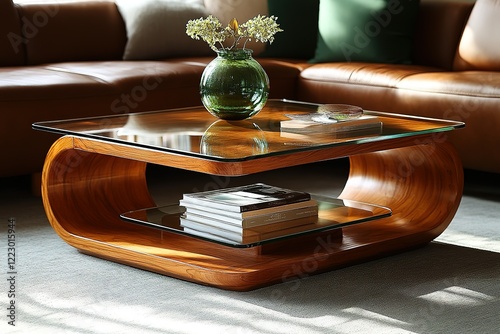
x: 156, y: 29
x: 479, y: 48
x: 11, y: 40
x: 378, y: 31
x: 439, y: 28
x: 72, y: 31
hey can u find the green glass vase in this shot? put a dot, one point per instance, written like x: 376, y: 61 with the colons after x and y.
x: 234, y: 86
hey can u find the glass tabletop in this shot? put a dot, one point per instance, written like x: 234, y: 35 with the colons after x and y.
x: 332, y: 214
x: 194, y: 132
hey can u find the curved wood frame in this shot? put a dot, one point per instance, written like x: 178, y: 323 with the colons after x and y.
x: 87, y: 183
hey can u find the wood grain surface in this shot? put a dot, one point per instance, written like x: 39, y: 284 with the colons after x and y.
x: 87, y: 184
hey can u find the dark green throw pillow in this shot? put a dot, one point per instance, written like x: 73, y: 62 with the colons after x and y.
x: 377, y: 31
x: 299, y: 21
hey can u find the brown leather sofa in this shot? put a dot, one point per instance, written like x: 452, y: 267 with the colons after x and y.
x: 55, y: 65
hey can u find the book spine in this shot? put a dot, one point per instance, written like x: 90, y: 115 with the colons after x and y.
x: 253, y: 221
x: 213, y: 237
x: 228, y: 234
x: 280, y: 216
x: 245, y: 215
x: 276, y: 197
x: 300, y: 197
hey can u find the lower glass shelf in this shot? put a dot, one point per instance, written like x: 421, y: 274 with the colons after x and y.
x: 333, y: 214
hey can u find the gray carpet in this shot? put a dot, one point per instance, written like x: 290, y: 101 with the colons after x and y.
x: 450, y: 286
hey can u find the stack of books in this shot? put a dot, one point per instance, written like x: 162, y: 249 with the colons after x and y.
x: 248, y: 213
x: 364, y: 125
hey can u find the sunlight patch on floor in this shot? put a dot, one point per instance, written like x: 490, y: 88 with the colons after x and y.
x: 458, y: 296
x: 468, y: 240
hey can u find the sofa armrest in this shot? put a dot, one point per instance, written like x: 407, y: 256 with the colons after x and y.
x: 438, y: 32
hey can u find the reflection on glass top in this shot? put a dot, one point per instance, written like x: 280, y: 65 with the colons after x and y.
x: 333, y: 213
x: 193, y: 131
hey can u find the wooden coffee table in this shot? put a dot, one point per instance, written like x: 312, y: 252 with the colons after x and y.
x: 407, y: 174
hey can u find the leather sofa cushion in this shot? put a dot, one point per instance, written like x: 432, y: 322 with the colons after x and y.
x: 479, y: 47
x: 403, y: 77
x: 180, y: 75
x: 146, y: 83
x: 480, y: 84
x: 370, y: 86
x: 35, y: 83
x: 126, y: 75
x: 83, y: 30
x: 12, y: 50
x: 468, y: 96
x: 367, y: 74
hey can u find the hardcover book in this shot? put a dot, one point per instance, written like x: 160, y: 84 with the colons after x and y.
x: 241, y: 216
x: 245, y: 198
x: 257, y: 217
x: 248, y: 235
x: 235, y: 224
x: 309, y: 126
